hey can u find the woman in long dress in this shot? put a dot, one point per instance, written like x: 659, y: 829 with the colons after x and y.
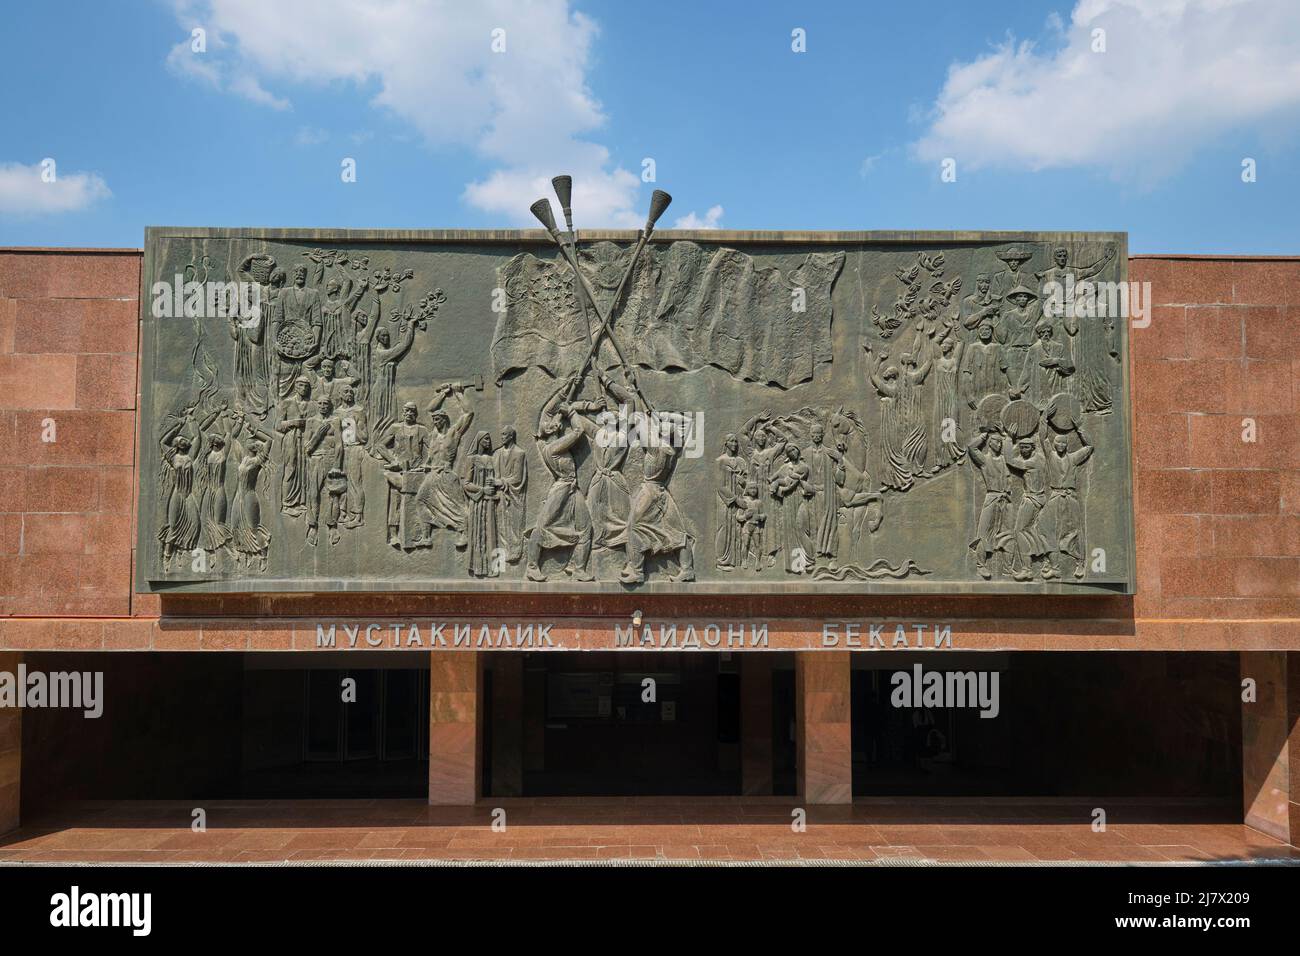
x: 340, y: 300
x: 294, y: 412
x: 892, y: 465
x: 180, y: 533
x: 252, y: 362
x: 734, y: 471
x: 365, y: 326
x: 249, y: 536
x: 767, y: 444
x: 790, y: 485
x: 482, y: 490
x: 947, y: 403
x: 383, y: 404
x: 214, y: 533
x: 913, y: 415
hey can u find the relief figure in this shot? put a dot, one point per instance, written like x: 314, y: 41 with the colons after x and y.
x: 355, y: 428
x: 1048, y: 369
x: 511, y: 467
x: 250, y: 537
x: 252, y: 364
x: 1063, y: 515
x: 297, y: 329
x: 826, y: 476
x: 991, y: 524
x: 441, y: 495
x: 294, y: 412
x: 947, y: 401
x: 790, y: 486
x: 340, y: 301
x: 180, y: 531
x: 655, y: 525
x: 563, y: 521
x: 482, y: 491
x: 383, y: 386
x: 210, y: 487
x: 607, y: 494
x: 404, y: 449
x: 326, y: 482
x: 752, y: 519
x: 1028, y: 544
x: 732, y: 475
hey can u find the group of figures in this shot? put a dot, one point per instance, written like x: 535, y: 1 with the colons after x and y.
x: 643, y: 521
x: 315, y: 386
x: 1031, y: 513
x: 797, y: 491
x: 310, y: 416
x: 941, y: 358
x: 315, y: 393
x: 479, y: 503
x: 955, y: 380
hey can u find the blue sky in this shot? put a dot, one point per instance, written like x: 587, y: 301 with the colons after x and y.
x: 1147, y: 135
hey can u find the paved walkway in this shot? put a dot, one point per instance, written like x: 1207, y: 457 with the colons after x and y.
x: 662, y: 828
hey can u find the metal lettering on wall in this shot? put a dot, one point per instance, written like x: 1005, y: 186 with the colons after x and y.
x: 701, y: 412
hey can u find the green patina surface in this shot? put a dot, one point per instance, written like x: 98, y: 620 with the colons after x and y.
x: 860, y: 412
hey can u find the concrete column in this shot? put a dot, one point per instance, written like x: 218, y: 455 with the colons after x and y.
x: 455, y: 727
x: 11, y: 752
x: 823, y: 732
x: 507, y: 724
x: 1270, y: 744
x: 755, y: 723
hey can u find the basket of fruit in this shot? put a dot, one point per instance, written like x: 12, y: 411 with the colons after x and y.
x: 294, y: 342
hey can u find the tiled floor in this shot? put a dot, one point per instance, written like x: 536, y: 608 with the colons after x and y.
x: 661, y: 828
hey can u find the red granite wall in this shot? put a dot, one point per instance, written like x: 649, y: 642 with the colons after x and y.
x: 68, y: 331
x: 1218, y: 518
x: 1219, y: 534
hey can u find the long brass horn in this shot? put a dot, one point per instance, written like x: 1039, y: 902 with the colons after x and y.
x: 563, y: 186
x: 659, y: 201
x: 542, y: 210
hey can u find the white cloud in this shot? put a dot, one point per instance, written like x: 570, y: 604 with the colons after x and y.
x: 528, y: 110
x: 310, y: 136
x: 199, y: 66
x: 248, y: 87
x: 869, y: 164
x: 712, y: 220
x: 23, y: 191
x: 1175, y: 74
x: 212, y: 67
x: 601, y: 198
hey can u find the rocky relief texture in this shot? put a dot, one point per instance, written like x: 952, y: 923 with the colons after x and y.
x: 686, y: 415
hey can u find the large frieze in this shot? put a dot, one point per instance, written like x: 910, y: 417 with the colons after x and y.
x: 693, y: 412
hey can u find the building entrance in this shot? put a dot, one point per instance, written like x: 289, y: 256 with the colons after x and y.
x: 616, y: 724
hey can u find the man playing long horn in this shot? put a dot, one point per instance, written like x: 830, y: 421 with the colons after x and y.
x: 564, y: 521
x: 654, y: 522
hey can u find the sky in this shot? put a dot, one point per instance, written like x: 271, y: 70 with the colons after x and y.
x: 1173, y: 120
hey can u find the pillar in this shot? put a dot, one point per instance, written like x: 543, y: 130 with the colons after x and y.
x: 507, y: 724
x: 1270, y: 744
x: 455, y: 727
x: 11, y: 753
x: 755, y: 723
x: 823, y: 729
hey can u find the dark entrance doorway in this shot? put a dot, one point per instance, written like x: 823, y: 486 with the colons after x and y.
x: 1118, y: 724
x: 626, y: 723
x: 233, y: 726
